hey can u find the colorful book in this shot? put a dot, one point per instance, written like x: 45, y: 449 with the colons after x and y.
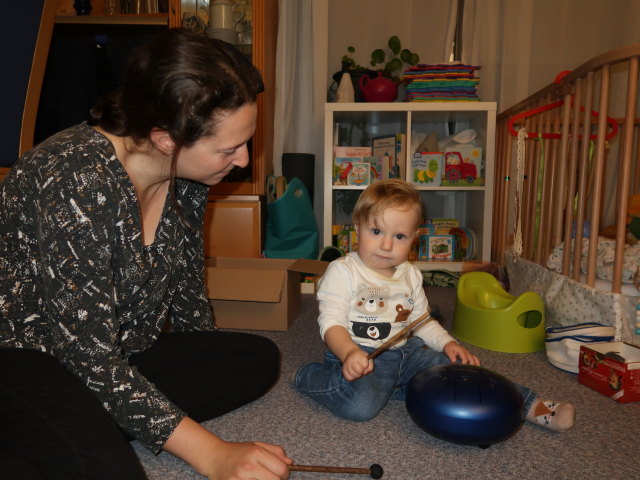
x: 344, y: 238
x: 437, y: 247
x: 359, y: 175
x: 401, y: 155
x: 343, y: 158
x: 444, y: 225
x: 341, y: 168
x: 426, y: 169
x: 379, y: 168
x: 352, y: 152
x: 463, y: 166
x: 384, y: 146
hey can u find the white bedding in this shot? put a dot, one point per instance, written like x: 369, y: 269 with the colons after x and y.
x: 568, y: 302
x: 604, y: 260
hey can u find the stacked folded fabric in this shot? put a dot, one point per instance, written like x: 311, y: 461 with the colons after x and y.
x: 447, y: 82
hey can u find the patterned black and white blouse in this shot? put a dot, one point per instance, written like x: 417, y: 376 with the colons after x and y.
x: 77, y: 281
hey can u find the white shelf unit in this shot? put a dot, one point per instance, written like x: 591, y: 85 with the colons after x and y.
x: 356, y: 123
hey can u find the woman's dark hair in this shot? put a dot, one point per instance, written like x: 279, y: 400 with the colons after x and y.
x: 180, y: 82
x: 177, y: 83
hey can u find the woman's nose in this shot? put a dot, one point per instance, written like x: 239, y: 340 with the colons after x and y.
x: 242, y: 157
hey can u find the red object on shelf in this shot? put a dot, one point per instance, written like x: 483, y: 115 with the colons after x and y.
x: 379, y: 89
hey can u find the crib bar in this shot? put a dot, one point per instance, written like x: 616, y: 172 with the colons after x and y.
x: 546, y: 166
x: 636, y: 177
x: 541, y: 188
x: 586, y: 174
x: 529, y: 204
x: 583, y: 170
x: 598, y: 176
x: 571, y: 178
x: 506, y: 190
x: 498, y: 183
x: 561, y: 191
x: 625, y: 170
x: 550, y: 187
x: 502, y: 184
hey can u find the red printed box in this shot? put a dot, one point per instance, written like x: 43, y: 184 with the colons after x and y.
x: 612, y: 369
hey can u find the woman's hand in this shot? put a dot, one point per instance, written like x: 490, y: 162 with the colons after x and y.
x: 248, y: 460
x: 455, y: 351
x: 217, y: 459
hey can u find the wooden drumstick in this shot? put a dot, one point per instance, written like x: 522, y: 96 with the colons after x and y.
x: 386, y: 345
x: 374, y: 470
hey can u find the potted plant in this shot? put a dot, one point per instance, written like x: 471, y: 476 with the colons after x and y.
x: 380, y: 83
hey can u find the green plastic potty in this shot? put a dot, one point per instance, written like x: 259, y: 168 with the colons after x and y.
x: 489, y: 317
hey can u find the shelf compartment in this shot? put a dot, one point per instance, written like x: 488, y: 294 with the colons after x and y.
x: 354, y: 124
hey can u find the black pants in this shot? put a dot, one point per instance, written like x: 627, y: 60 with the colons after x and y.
x: 53, y: 427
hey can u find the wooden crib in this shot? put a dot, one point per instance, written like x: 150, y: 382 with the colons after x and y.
x: 567, y: 162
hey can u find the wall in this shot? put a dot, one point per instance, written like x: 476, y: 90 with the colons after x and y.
x: 421, y: 25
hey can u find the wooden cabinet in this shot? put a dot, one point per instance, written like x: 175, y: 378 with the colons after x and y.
x: 360, y: 122
x: 233, y: 226
x: 237, y: 202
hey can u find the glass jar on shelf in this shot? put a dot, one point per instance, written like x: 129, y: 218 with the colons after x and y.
x: 195, y: 15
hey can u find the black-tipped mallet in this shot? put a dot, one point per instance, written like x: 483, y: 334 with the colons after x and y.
x: 374, y: 470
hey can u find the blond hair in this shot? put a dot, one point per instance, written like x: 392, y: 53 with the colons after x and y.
x: 385, y: 194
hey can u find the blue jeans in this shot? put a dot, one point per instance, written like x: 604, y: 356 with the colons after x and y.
x: 365, y: 397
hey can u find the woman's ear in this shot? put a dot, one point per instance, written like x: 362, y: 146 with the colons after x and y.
x: 161, y: 140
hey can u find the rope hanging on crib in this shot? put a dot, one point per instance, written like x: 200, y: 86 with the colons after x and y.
x: 520, y: 153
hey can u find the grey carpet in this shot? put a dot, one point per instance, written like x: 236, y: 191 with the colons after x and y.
x: 604, y: 444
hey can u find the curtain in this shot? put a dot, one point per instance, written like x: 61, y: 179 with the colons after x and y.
x: 522, y: 45
x: 293, y: 110
x: 301, y: 60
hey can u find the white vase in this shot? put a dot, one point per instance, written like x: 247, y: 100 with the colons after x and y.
x: 345, y: 92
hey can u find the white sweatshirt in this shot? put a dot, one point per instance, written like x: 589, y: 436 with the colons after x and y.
x: 373, y: 308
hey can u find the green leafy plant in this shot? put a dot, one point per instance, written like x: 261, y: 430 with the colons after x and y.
x: 391, y: 65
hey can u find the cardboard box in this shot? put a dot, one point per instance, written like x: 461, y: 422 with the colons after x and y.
x: 612, y: 369
x: 257, y: 293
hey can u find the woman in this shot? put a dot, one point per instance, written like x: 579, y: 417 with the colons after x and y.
x: 106, y: 331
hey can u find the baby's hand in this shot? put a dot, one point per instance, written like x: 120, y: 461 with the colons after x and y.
x: 356, y: 364
x: 455, y: 351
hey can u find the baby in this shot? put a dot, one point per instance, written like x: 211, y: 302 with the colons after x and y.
x: 366, y: 298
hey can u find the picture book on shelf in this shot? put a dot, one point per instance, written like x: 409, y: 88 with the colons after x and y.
x: 443, y: 225
x: 414, y: 253
x: 352, y: 152
x: 426, y: 169
x: 379, y: 169
x: 341, y: 168
x: 359, y: 174
x: 401, y: 155
x: 437, y: 247
x: 384, y: 146
x: 463, y: 166
x: 344, y: 237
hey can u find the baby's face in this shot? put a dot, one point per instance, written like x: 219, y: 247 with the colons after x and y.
x: 384, y: 244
